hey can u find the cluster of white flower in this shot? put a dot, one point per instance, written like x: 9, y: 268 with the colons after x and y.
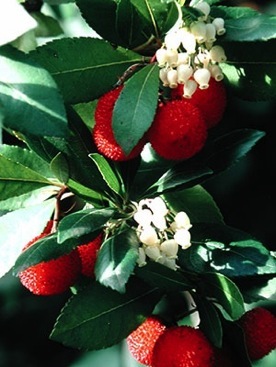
x: 189, y: 56
x: 160, y: 232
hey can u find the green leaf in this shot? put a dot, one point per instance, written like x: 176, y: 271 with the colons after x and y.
x: 210, y: 322
x: 60, y: 168
x: 99, y: 308
x: 158, y: 275
x: 82, y: 77
x: 83, y: 222
x: 47, y: 25
x: 109, y: 176
x: 17, y: 179
x: 197, y: 203
x: 19, y: 227
x: 135, y: 108
x: 116, y: 260
x: 246, y: 24
x: 225, y: 292
x: 32, y: 103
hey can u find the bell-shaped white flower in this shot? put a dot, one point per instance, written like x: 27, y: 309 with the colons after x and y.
x: 172, y: 78
x: 143, y: 217
x: 169, y: 248
x: 172, y: 40
x: 161, y: 57
x: 189, y: 88
x: 158, y: 206
x: 182, y: 220
x: 203, y: 58
x: 163, y: 76
x: 170, y: 263
x: 204, y: 7
x: 210, y: 32
x: 148, y: 236
x: 184, y: 72
x: 202, y: 77
x: 183, y: 58
x: 219, y: 25
x: 172, y: 58
x: 217, y: 54
x: 153, y: 252
x: 183, y: 238
x: 216, y: 72
x: 198, y: 29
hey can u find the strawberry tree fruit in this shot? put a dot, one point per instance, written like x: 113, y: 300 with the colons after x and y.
x: 181, y: 346
x: 211, y: 101
x: 142, y: 340
x: 54, y: 276
x: 88, y: 256
x: 259, y: 327
x: 178, y: 131
x: 103, y: 134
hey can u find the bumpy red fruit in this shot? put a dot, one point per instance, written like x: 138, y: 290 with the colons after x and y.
x: 211, y: 101
x: 103, y: 134
x: 182, y: 346
x: 51, y: 277
x: 142, y: 340
x: 178, y: 130
x: 259, y: 326
x: 88, y: 255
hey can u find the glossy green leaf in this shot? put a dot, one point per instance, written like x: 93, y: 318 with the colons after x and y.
x: 135, y: 108
x: 28, y: 94
x: 60, y: 168
x: 164, y: 278
x: 210, y: 322
x: 116, y: 260
x: 225, y: 291
x: 29, y: 222
x: 83, y: 222
x: 110, y: 177
x: 197, y: 203
x: 99, y: 308
x: 82, y: 77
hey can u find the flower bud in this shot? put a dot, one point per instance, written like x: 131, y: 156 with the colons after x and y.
x: 217, y: 54
x: 202, y: 77
x: 189, y: 88
x: 219, y: 25
x: 184, y: 72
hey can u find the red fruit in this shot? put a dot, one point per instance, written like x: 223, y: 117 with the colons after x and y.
x: 183, y: 346
x: 103, y: 134
x: 142, y: 340
x: 259, y: 327
x: 88, y: 256
x: 51, y: 277
x: 178, y: 130
x: 210, y: 101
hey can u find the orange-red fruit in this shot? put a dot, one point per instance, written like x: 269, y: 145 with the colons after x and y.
x: 178, y: 130
x: 142, y: 340
x: 103, y: 134
x: 183, y: 346
x: 259, y: 327
x: 88, y: 255
x: 51, y: 277
x: 211, y: 101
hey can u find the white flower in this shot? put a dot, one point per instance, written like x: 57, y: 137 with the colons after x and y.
x: 148, y: 236
x: 141, y: 261
x: 198, y: 29
x: 219, y: 25
x: 143, y: 217
x: 210, y: 32
x: 183, y: 238
x: 158, y: 206
x: 204, y: 7
x: 202, y: 77
x: 217, y: 54
x: 161, y: 56
x: 216, y: 72
x: 189, y: 88
x: 184, y: 72
x: 163, y: 76
x: 153, y: 252
x: 169, y: 248
x: 172, y: 78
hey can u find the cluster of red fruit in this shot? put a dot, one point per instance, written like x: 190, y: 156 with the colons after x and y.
x: 179, y: 128
x: 58, y: 275
x: 157, y: 345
